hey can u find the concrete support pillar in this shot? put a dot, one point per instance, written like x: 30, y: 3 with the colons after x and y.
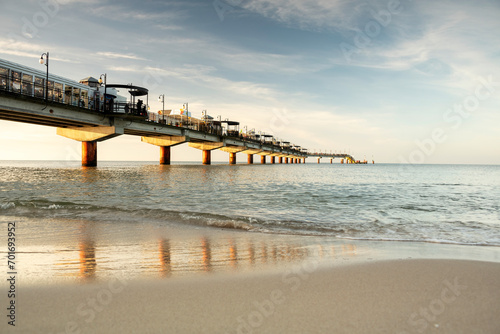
x: 232, y: 158
x: 164, y: 155
x: 304, y: 160
x: 250, y: 159
x: 89, y: 153
x: 281, y: 160
x: 286, y: 160
x: 273, y: 159
x: 207, y: 157
x: 263, y: 159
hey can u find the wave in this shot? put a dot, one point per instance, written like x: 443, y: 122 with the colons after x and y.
x: 46, y: 209
x: 354, y: 229
x: 6, y: 206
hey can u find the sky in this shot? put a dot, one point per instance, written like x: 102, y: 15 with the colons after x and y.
x: 393, y: 81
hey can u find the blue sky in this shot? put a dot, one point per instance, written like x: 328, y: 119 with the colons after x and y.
x: 399, y: 81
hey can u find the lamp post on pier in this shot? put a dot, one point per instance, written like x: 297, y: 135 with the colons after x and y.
x: 161, y: 99
x: 46, y: 62
x: 100, y: 82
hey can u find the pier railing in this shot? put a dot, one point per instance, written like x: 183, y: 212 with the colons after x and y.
x: 36, y: 89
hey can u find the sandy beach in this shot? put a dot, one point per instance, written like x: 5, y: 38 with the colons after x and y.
x: 397, y: 296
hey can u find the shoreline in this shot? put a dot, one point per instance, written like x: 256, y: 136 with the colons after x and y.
x: 98, y: 253
x: 55, y: 252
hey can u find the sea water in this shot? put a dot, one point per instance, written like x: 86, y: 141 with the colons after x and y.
x: 140, y: 219
x: 431, y: 203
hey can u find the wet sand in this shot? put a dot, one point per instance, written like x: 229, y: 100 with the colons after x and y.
x: 99, y: 279
x: 397, y: 296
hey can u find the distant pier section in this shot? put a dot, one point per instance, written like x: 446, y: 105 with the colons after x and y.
x: 92, y: 111
x: 342, y: 156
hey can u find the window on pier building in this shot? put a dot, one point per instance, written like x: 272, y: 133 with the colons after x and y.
x: 50, y: 94
x: 39, y: 87
x: 85, y: 99
x: 67, y: 94
x: 58, y: 92
x: 4, y: 78
x: 76, y: 96
x: 16, y: 81
x: 27, y: 84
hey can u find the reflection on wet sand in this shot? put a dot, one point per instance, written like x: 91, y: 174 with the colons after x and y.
x: 251, y: 254
x: 164, y: 253
x: 179, y: 257
x: 207, y: 254
x: 88, y: 263
x: 264, y: 252
x: 233, y: 254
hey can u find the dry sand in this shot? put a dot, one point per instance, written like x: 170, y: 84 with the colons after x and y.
x: 400, y: 296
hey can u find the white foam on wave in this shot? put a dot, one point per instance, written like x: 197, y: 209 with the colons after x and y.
x: 230, y: 224
x: 53, y: 207
x: 6, y: 206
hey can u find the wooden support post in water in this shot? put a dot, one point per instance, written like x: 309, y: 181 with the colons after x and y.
x: 207, y: 157
x: 273, y: 159
x: 89, y: 153
x: 263, y: 159
x: 319, y: 159
x: 164, y: 155
x: 232, y: 158
x: 280, y: 160
x: 250, y: 159
x: 286, y: 160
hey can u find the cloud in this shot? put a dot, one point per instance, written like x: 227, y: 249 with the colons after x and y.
x: 170, y: 27
x: 206, y: 76
x: 128, y: 11
x: 28, y: 50
x: 114, y: 55
x: 313, y: 15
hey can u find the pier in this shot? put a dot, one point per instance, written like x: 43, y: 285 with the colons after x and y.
x: 88, y: 112
x: 342, y: 156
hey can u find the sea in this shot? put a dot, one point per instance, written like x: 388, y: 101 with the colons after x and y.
x: 65, y: 213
